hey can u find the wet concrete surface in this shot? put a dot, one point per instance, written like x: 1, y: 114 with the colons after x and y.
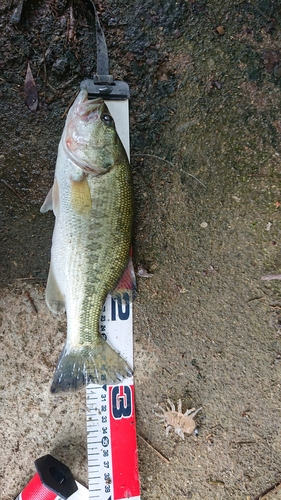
x: 205, y: 102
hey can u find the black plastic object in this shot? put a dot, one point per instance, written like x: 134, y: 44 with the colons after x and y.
x: 56, y: 476
x: 117, y: 90
x: 102, y: 84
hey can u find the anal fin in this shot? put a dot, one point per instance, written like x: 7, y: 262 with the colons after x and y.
x: 126, y: 288
x: 54, y: 297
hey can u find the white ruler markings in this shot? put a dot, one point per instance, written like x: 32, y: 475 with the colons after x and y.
x: 111, y: 427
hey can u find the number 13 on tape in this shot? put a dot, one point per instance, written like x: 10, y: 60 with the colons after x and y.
x: 111, y: 424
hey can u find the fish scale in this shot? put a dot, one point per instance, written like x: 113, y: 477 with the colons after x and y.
x: 104, y: 279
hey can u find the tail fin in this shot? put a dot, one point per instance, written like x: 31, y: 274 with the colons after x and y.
x: 99, y: 365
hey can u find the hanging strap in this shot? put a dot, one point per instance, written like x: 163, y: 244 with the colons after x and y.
x: 102, y: 84
x: 102, y: 74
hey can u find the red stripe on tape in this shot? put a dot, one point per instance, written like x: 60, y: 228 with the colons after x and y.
x: 35, y: 490
x: 123, y: 442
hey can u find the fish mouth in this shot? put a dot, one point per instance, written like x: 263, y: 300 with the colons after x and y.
x: 85, y: 107
x: 87, y: 110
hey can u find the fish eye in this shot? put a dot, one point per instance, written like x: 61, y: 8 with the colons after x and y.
x: 107, y: 119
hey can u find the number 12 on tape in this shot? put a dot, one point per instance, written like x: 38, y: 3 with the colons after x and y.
x: 111, y: 424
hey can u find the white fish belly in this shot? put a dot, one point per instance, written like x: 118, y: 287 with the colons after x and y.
x: 69, y: 248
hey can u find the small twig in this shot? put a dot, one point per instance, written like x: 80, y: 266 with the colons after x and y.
x: 32, y: 278
x: 44, y: 62
x: 275, y: 487
x: 166, y: 460
x: 169, y: 163
x: 51, y: 87
x: 242, y: 442
x: 70, y: 25
x: 255, y: 298
x: 12, y: 189
x: 215, y: 482
x: 31, y: 302
x: 269, y: 277
x: 66, y: 84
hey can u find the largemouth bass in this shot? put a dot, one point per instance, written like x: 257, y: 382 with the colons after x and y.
x: 93, y: 204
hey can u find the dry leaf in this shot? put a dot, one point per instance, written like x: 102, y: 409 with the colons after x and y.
x: 30, y: 90
x: 16, y: 17
x: 220, y: 30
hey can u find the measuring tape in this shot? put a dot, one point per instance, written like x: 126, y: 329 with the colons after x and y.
x: 111, y: 425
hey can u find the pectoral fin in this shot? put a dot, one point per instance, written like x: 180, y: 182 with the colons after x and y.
x: 52, y: 199
x: 81, y: 201
x: 54, y: 297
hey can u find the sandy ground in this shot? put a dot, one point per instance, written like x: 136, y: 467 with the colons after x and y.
x: 205, y: 82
